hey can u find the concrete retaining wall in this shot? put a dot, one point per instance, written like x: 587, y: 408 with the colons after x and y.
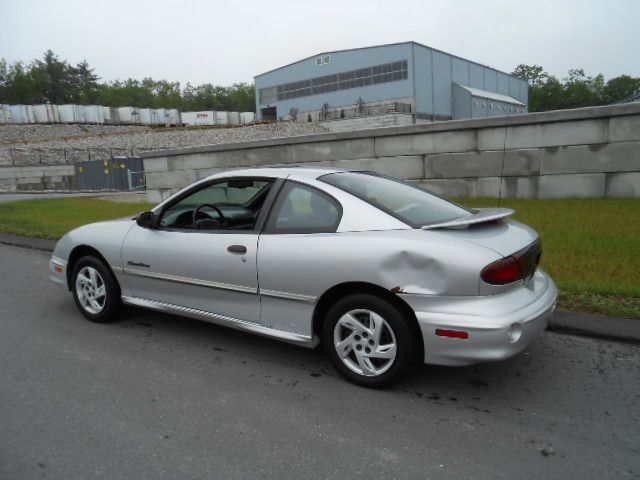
x: 365, y: 123
x: 588, y: 152
x: 38, y: 177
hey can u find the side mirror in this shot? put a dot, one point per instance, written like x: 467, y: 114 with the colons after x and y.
x: 145, y: 219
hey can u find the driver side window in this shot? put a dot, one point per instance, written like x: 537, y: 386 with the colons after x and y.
x: 232, y: 204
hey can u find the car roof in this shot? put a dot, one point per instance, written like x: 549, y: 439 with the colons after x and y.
x: 278, y: 172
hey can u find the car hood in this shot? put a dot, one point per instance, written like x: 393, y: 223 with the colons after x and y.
x: 503, y: 237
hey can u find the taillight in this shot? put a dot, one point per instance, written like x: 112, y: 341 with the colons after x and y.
x: 502, y: 272
x: 515, y: 267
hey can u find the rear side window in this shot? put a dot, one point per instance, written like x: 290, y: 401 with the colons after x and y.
x: 406, y: 202
x: 303, y: 209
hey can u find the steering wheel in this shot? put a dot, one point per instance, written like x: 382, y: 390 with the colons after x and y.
x: 200, y: 207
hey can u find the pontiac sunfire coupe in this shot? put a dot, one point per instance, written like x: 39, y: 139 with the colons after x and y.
x: 379, y: 271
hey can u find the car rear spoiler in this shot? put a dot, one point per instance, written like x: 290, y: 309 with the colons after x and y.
x: 481, y: 215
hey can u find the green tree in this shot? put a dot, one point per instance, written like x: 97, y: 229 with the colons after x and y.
x: 19, y: 86
x: 53, y: 78
x: 546, y: 92
x: 619, y: 88
x: 83, y: 88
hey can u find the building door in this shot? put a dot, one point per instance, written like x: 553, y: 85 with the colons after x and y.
x: 269, y: 114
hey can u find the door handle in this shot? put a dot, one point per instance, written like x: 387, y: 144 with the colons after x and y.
x: 237, y: 249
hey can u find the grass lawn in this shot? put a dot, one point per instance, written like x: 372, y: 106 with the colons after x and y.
x: 591, y: 247
x: 53, y: 217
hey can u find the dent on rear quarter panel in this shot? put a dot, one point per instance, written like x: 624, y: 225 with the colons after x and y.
x: 408, y: 271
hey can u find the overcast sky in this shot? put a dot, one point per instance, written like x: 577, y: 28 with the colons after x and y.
x: 226, y: 42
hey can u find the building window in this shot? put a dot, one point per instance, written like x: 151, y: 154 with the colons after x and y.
x: 326, y: 59
x: 362, y: 77
x: 318, y: 61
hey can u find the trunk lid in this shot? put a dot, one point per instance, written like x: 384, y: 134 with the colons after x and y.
x: 504, y: 237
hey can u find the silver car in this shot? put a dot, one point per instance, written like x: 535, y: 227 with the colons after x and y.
x: 379, y: 271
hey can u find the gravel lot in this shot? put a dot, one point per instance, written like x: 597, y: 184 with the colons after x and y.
x: 64, y: 143
x: 26, y: 134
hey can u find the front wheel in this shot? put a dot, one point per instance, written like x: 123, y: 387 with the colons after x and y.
x: 94, y: 290
x: 368, y: 341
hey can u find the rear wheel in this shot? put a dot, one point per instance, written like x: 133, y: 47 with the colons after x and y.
x: 368, y: 341
x: 95, y: 291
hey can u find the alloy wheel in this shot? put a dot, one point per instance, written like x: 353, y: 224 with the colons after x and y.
x: 365, y: 342
x: 91, y: 290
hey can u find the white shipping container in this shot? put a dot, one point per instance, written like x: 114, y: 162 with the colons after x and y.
x: 19, y: 114
x: 233, y: 118
x: 222, y: 118
x: 30, y: 117
x: 173, y: 116
x: 46, y: 113
x: 93, y: 113
x: 127, y: 115
x: 106, y: 114
x: 247, y: 118
x: 111, y: 115
x: 144, y: 116
x: 198, y: 118
x: 71, y: 113
x: 5, y: 114
x: 158, y: 116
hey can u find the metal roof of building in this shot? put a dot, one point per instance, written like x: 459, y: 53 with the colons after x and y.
x: 635, y: 98
x: 498, y: 97
x: 379, y: 46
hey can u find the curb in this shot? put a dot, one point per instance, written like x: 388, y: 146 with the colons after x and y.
x: 596, y: 326
x: 27, y: 242
x: 572, y: 323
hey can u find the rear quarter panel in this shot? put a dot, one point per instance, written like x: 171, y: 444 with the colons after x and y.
x: 408, y: 261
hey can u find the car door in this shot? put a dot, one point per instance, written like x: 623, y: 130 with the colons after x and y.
x: 300, y: 229
x: 211, y: 268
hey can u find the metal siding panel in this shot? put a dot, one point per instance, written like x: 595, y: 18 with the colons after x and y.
x: 424, y: 80
x: 514, y: 88
x: 476, y: 73
x: 442, y: 83
x: 459, y: 71
x: 341, y: 62
x: 490, y: 80
x: 503, y: 84
x: 461, y: 102
x: 524, y: 94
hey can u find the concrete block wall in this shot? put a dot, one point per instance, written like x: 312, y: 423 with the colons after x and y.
x: 364, y: 123
x: 588, y: 152
x: 37, y: 177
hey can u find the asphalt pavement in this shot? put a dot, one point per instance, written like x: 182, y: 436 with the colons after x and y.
x: 158, y: 396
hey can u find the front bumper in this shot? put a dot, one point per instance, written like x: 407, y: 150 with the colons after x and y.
x: 58, y: 269
x: 498, y: 326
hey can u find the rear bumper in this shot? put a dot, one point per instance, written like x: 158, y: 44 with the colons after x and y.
x: 498, y: 326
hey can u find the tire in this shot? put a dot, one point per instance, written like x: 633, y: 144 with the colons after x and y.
x: 358, y: 334
x: 88, y: 278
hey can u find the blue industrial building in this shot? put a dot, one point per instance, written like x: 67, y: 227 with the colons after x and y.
x: 408, y: 77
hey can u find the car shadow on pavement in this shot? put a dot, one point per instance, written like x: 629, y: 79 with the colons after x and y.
x: 433, y: 383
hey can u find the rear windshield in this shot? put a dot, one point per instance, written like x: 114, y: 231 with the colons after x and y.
x: 409, y: 203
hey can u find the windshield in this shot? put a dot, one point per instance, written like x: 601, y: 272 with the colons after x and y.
x: 409, y: 203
